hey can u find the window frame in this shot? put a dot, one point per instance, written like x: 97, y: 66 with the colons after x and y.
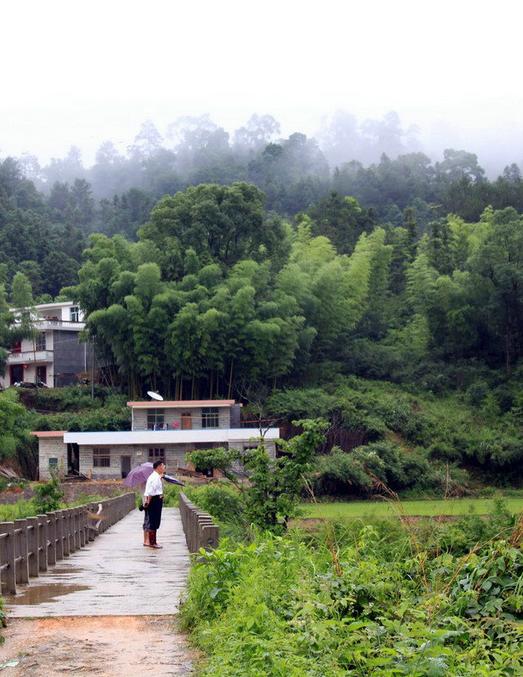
x: 41, y: 341
x: 155, y: 419
x: 74, y: 313
x: 101, y: 457
x: 209, y: 416
x: 153, y: 455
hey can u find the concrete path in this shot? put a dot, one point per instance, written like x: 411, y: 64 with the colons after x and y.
x: 112, y: 576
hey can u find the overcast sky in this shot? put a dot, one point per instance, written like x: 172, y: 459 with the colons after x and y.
x: 80, y: 73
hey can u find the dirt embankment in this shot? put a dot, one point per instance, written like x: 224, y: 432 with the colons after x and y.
x: 107, y: 646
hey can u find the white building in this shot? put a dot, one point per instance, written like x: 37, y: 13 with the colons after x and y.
x: 160, y: 430
x: 55, y: 355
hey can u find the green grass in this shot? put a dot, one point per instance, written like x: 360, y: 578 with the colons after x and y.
x: 19, y: 510
x: 382, y: 508
x: 22, y: 509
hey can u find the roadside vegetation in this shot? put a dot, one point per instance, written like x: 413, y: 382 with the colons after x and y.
x: 353, y: 595
x: 358, y: 596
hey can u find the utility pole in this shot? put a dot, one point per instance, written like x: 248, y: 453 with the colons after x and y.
x: 92, y: 370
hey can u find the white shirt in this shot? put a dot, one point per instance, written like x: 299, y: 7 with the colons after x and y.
x: 154, y: 485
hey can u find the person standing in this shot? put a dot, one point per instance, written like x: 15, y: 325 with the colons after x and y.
x: 153, y: 503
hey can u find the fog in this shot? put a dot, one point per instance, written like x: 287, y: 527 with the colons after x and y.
x: 82, y: 74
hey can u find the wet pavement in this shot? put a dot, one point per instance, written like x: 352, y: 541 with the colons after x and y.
x: 107, y: 646
x: 112, y: 576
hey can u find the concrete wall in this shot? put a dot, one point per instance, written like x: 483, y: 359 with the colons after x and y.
x: 174, y: 416
x: 51, y: 447
x: 174, y: 456
x: 268, y: 444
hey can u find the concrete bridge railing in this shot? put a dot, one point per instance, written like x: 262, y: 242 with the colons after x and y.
x: 200, y: 530
x: 29, y: 546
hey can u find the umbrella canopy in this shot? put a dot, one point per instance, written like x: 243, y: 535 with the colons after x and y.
x: 173, y: 480
x: 139, y: 475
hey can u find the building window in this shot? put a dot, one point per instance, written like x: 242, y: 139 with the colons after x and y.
x: 210, y: 417
x: 156, y: 454
x: 155, y: 419
x: 75, y: 314
x: 40, y: 342
x: 101, y: 457
x: 53, y: 464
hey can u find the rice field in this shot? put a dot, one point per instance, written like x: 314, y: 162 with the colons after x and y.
x: 422, y: 508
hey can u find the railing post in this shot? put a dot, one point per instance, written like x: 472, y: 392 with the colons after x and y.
x: 22, y: 565
x: 66, y: 533
x: 43, y: 542
x: 59, y: 534
x: 210, y: 536
x: 7, y: 557
x: 32, y: 546
x: 76, y: 528
x: 52, y: 550
x: 93, y: 533
x: 199, y: 528
x: 82, y: 526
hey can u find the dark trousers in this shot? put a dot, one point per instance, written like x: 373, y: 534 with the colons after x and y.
x: 153, y: 514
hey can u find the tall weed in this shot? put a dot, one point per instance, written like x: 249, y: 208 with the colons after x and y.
x: 361, y: 599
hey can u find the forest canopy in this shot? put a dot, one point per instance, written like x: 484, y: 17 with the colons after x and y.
x: 254, y: 267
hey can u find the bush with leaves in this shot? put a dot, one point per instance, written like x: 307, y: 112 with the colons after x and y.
x: 381, y: 466
x: 271, y: 495
x: 14, y: 424
x: 49, y: 495
x: 219, y: 499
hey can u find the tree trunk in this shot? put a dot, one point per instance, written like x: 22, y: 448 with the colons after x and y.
x: 229, y: 391
x: 507, y: 351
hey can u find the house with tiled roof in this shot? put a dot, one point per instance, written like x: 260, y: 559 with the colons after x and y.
x: 159, y: 429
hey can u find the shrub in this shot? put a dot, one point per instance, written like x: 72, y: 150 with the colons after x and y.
x: 220, y: 500
x: 48, y: 495
x: 272, y: 495
x: 477, y: 392
x: 340, y: 473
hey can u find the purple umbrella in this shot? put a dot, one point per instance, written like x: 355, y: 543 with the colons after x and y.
x: 139, y: 475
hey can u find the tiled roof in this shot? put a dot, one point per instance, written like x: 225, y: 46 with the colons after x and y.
x: 48, y: 433
x: 179, y: 404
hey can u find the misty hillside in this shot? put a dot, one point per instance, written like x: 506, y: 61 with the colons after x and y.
x: 47, y: 212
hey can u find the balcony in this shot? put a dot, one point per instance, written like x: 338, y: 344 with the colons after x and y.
x: 30, y: 357
x: 162, y: 427
x: 64, y: 325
